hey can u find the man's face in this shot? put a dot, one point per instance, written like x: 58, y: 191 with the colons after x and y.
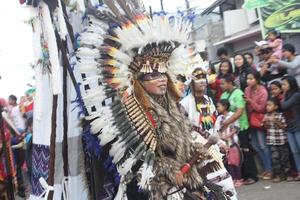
x: 155, y: 83
x: 223, y: 57
x: 266, y: 55
x: 249, y: 59
x: 286, y: 53
x: 11, y: 101
x: 225, y: 85
x: 199, y: 89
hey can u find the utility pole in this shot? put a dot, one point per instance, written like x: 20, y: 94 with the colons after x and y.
x: 161, y: 4
x: 187, y: 4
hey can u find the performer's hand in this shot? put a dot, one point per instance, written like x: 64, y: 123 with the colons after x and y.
x: 179, y: 178
x: 203, y: 154
x: 224, y: 148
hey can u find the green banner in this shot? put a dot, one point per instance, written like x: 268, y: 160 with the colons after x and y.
x: 251, y: 4
x: 283, y: 16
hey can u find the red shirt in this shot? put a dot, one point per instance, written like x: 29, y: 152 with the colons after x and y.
x: 259, y: 99
x: 216, y: 87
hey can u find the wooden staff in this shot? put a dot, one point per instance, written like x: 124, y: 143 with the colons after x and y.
x: 52, y: 145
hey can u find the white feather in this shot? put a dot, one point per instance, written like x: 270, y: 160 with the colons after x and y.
x: 125, y: 167
x: 113, y: 150
x: 98, y: 23
x: 109, y: 133
x: 94, y: 94
x: 98, y: 124
x: 117, y: 151
x: 89, y: 38
x: 147, y: 174
x: 91, y: 79
x: 121, y: 194
x: 87, y: 53
x: 104, y: 112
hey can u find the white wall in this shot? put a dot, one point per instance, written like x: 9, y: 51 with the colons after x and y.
x: 235, y: 21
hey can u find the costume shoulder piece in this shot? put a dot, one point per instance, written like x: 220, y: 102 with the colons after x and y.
x: 119, y: 43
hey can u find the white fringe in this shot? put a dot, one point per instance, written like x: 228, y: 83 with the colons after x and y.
x: 63, y: 31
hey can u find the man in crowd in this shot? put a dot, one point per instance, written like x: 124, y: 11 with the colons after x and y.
x: 269, y: 72
x: 17, y: 141
x: 201, y: 111
x: 223, y: 55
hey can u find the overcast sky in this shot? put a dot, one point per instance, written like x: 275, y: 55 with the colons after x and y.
x: 16, y: 52
x: 15, y: 49
x: 174, y: 5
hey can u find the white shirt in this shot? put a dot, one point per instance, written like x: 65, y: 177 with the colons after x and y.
x: 189, y: 105
x: 16, y: 117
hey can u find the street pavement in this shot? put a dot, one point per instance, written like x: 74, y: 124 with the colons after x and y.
x: 267, y: 190
x: 264, y: 190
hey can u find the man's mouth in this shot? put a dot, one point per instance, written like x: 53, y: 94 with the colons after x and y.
x: 163, y: 86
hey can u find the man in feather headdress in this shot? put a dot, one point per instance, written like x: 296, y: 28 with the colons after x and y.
x: 201, y: 111
x: 148, y: 137
x: 198, y: 106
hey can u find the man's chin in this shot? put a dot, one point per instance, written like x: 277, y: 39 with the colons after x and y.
x: 161, y: 92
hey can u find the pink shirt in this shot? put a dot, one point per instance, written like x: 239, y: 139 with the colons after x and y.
x: 276, y: 45
x: 259, y: 99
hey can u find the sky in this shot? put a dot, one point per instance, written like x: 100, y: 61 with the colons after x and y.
x: 16, y: 51
x: 174, y: 5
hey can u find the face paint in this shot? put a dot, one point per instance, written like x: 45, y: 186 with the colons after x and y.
x: 155, y: 83
x: 154, y: 76
x: 199, y: 88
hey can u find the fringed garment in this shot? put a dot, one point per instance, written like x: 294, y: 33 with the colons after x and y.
x: 174, y: 149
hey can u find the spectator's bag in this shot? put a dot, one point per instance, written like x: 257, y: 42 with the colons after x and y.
x: 256, y: 119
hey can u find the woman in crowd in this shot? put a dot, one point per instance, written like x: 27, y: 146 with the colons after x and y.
x: 291, y: 107
x: 250, y: 59
x: 256, y: 97
x: 238, y: 107
x: 241, y: 71
x: 293, y: 61
x: 276, y: 91
x: 225, y: 68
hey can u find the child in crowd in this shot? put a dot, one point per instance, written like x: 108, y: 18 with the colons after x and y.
x: 275, y: 124
x: 28, y: 147
x: 275, y: 42
x: 229, y: 142
x: 276, y: 91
